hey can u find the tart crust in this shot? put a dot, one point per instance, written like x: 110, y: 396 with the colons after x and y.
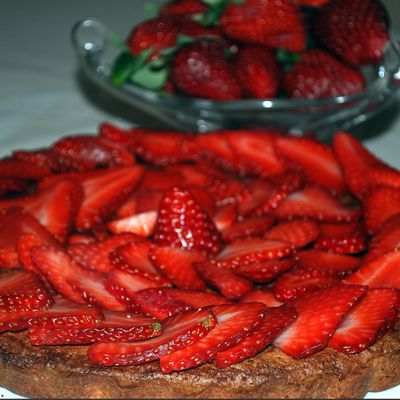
x: 65, y: 371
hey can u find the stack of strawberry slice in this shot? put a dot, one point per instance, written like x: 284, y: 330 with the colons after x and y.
x: 159, y: 245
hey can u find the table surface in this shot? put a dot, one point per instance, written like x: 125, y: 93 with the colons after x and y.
x: 43, y: 97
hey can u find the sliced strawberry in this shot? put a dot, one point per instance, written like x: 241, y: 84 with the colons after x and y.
x: 235, y: 322
x: 136, y: 256
x: 123, y: 285
x: 100, y: 232
x: 252, y: 250
x: 264, y: 271
x: 125, y: 137
x: 290, y: 181
x: 247, y: 228
x: 386, y: 240
x: 225, y: 216
x: 214, y: 147
x: 12, y: 168
x: 319, y: 315
x: 163, y: 147
x: 179, y: 331
x: 384, y: 175
x: 299, y: 281
x: 264, y: 296
x: 54, y: 207
x: 255, y: 149
x: 160, y: 179
x: 158, y: 303
x: 382, y: 271
x: 14, y: 222
x: 184, y: 224
x: 103, y: 194
x: 195, y: 298
x: 342, y: 238
x: 228, y: 283
x: 71, y: 280
x: 367, y: 321
x: 299, y: 233
x: 96, y: 256
x: 80, y: 238
x: 316, y: 160
x: 43, y: 157
x: 355, y: 160
x: 92, y: 152
x: 226, y: 191
x: 115, y: 327
x: 274, y: 322
x: 148, y: 200
x: 322, y: 263
x: 23, y: 291
x: 257, y: 194
x: 177, y: 266
x: 14, y: 185
x: 141, y: 224
x: 316, y: 203
x: 63, y: 313
x: 381, y: 203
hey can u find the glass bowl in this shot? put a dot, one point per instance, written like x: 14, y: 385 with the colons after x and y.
x: 300, y: 117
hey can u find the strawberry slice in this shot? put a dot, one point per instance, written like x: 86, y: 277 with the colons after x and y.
x: 231, y: 286
x: 195, y: 298
x: 382, y: 271
x: 256, y: 151
x: 264, y: 271
x: 91, y: 152
x: 163, y: 147
x: 356, y: 162
x: 71, y: 280
x: 160, y: 179
x: 182, y: 223
x: 319, y: 315
x: 256, y: 194
x: 264, y: 296
x: 252, y: 250
x: 386, y: 240
x: 225, y: 216
x: 54, y: 207
x: 141, y: 224
x: 79, y: 238
x: 248, y: 227
x: 63, y: 313
x: 15, y: 221
x: 134, y: 255
x: 12, y: 185
x: 367, y: 321
x: 274, y: 322
x: 342, y: 238
x: 316, y: 203
x: 299, y: 281
x: 158, y: 303
x: 290, y: 181
x: 104, y: 193
x: 96, y: 256
x: 381, y: 203
x: 13, y: 168
x: 23, y: 291
x: 115, y: 327
x: 322, y: 263
x: 179, y: 331
x: 316, y: 160
x: 44, y: 158
x: 125, y: 137
x: 299, y: 233
x: 235, y: 322
x: 177, y: 266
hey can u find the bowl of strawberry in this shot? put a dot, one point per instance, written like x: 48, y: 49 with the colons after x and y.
x: 297, y: 65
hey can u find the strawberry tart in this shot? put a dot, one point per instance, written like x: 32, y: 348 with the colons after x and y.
x: 235, y: 264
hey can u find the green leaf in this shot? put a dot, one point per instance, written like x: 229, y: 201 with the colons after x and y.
x: 149, y: 78
x: 152, y: 10
x: 123, y: 67
x: 117, y: 41
x: 213, y: 2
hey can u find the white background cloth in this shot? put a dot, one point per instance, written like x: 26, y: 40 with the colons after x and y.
x: 42, y: 99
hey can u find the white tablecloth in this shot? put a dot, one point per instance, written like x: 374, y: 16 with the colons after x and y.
x: 42, y: 99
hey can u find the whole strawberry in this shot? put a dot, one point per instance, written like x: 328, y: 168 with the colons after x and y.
x: 201, y: 70
x: 162, y: 32
x: 319, y: 75
x: 257, y: 71
x: 355, y: 30
x: 272, y: 23
x: 182, y: 7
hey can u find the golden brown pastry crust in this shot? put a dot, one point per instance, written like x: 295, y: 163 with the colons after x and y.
x: 64, y: 371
